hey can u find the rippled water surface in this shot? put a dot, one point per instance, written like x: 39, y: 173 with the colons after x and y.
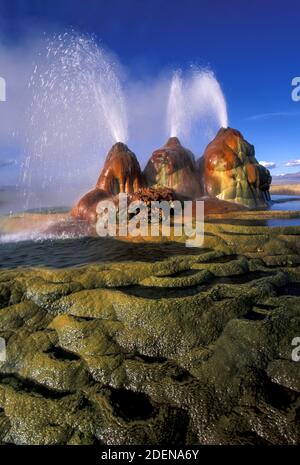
x: 18, y: 250
x: 60, y: 253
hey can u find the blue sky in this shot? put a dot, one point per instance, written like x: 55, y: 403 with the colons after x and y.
x: 252, y: 46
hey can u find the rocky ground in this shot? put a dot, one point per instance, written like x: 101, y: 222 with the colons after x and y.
x: 194, y: 349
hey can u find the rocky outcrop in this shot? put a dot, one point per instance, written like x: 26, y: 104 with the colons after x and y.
x: 85, y: 209
x: 227, y: 171
x: 174, y: 166
x: 152, y: 194
x: 230, y: 171
x: 121, y: 173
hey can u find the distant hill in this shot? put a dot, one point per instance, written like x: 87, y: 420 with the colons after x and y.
x: 289, y: 178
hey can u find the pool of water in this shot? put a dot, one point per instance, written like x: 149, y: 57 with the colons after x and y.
x: 61, y: 253
x: 279, y: 203
x: 256, y: 222
x: 71, y: 251
x: 285, y: 202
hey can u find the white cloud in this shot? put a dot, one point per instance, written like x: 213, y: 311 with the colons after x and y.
x: 293, y: 163
x: 268, y: 164
x: 277, y: 114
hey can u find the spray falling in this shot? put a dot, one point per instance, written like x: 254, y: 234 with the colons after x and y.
x: 195, y: 100
x: 176, y: 114
x: 77, y: 109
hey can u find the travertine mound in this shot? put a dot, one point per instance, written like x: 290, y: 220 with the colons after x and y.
x: 121, y: 173
x: 85, y: 209
x: 174, y: 166
x: 230, y: 171
x: 227, y: 171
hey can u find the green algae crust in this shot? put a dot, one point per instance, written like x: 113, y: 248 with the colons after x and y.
x: 194, y: 349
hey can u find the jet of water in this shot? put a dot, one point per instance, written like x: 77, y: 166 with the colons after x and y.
x: 77, y: 109
x: 176, y: 114
x: 195, y: 99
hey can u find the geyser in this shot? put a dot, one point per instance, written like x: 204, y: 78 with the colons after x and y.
x: 195, y: 99
x: 177, y: 118
x: 78, y: 107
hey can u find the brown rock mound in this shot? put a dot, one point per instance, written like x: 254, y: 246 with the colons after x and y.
x: 121, y: 171
x: 231, y: 172
x: 85, y: 209
x: 174, y: 166
x: 228, y: 173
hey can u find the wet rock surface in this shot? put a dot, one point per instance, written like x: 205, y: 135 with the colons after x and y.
x: 193, y: 349
x: 227, y: 172
x: 121, y: 173
x: 230, y: 171
x: 174, y: 166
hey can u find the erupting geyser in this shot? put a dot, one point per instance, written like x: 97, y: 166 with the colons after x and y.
x: 195, y: 100
x: 177, y: 117
x: 78, y: 107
